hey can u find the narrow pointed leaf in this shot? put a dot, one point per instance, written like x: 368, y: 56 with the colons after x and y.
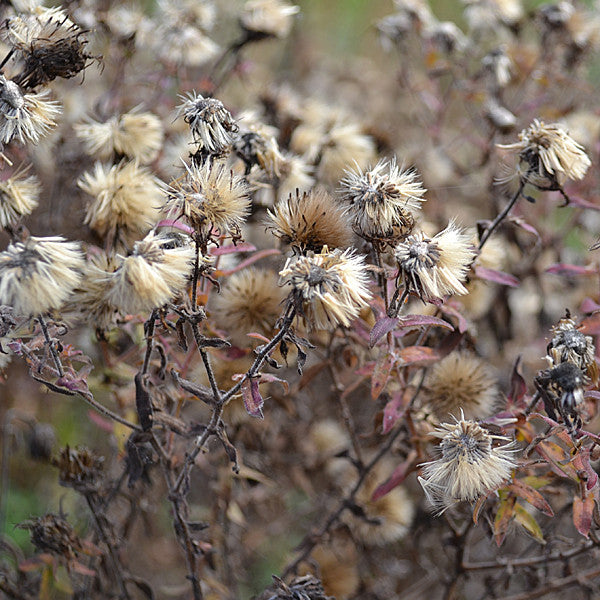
x: 381, y: 328
x: 496, y: 276
x: 582, y: 514
x: 528, y: 522
x: 381, y: 374
x: 252, y: 398
x: 522, y: 490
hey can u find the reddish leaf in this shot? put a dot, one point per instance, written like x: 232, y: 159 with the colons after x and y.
x: 496, y: 276
x: 393, y: 412
x: 453, y: 312
x: 232, y: 249
x: 576, y: 201
x: 558, y: 459
x: 505, y: 514
x: 381, y: 327
x: 259, y: 336
x: 581, y: 461
x: 400, y: 473
x: 530, y: 495
x: 413, y: 321
x: 252, y: 399
x: 570, y: 270
x: 589, y: 306
x: 100, y: 421
x: 528, y: 522
x: 381, y: 374
x: 591, y: 325
x: 249, y: 261
x: 418, y: 355
x: 582, y: 514
x: 269, y: 378
x: 520, y: 222
x: 81, y: 569
x: 518, y: 387
x: 176, y: 224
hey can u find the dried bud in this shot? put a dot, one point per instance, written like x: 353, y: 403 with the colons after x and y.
x: 79, y: 468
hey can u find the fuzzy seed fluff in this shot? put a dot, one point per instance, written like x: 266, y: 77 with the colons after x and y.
x: 18, y: 198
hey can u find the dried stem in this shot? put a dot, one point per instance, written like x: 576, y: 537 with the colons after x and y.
x: 51, y: 347
x: 501, y: 216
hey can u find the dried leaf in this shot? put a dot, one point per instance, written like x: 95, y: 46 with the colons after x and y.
x: 232, y: 249
x: 528, y: 522
x: 589, y: 306
x: 269, y: 378
x: 393, y: 412
x: 381, y: 328
x: 577, y: 201
x: 518, y: 387
x: 570, y: 270
x: 496, y: 276
x: 418, y: 355
x: 582, y: 514
x: 253, y: 401
x: 143, y: 403
x: 591, y: 325
x: 558, y: 459
x: 504, y: 515
x: 413, y: 321
x: 530, y: 495
x: 381, y: 374
x: 400, y: 473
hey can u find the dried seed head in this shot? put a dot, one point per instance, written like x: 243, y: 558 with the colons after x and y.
x: 568, y: 344
x: 382, y: 201
x: 136, y: 135
x: 268, y: 17
x: 127, y: 199
x: 38, y: 23
x: 210, y: 197
x: 550, y: 155
x: 306, y: 587
x: 310, y: 221
x: 184, y: 44
x: 250, y: 301
x: 469, y: 466
x: 432, y: 268
x: 79, y: 468
x: 329, y: 288
x: 18, y: 197
x: 210, y: 122
x: 257, y: 145
x: 157, y: 271
x: 294, y: 174
x: 25, y: 117
x: 40, y: 274
x: 52, y: 533
x: 461, y: 381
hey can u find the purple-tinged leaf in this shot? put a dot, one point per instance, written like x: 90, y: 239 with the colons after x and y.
x: 381, y: 374
x: 393, y: 412
x: 594, y: 394
x: 453, y: 312
x: 401, y: 472
x: 177, y: 225
x: 411, y: 321
x: 249, y: 261
x: 583, y: 510
x: 269, y: 378
x: 590, y: 325
x: 570, y: 270
x: 232, y: 249
x: 589, y: 306
x: 520, y: 222
x: 582, y: 462
x: 576, y: 201
x: 518, y: 386
x: 381, y: 327
x: 496, y: 276
x: 421, y: 355
x: 253, y: 401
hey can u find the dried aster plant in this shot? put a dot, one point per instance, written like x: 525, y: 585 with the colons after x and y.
x: 157, y: 271
x: 127, y: 200
x: 136, y: 135
x: 434, y: 267
x: 382, y: 201
x: 39, y: 274
x: 549, y: 155
x: 211, y: 124
x: 329, y: 288
x: 310, y: 221
x: 79, y: 468
x: 470, y: 464
x: 249, y: 301
x: 25, y: 117
x: 53, y: 533
x: 461, y: 382
x: 210, y: 197
x: 264, y: 18
x: 18, y: 197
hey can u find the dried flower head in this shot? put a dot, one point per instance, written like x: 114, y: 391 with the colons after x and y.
x: 388, y: 518
x: 127, y: 199
x: 136, y: 135
x: 329, y: 288
x: 184, y: 44
x: 79, y: 468
x: 210, y: 122
x: 383, y: 200
x: 25, y: 117
x: 306, y: 587
x: 53, y: 533
x: 250, y: 301
x: 432, y: 268
x: 310, y: 221
x: 18, y: 197
x: 268, y: 17
x: 294, y: 174
x: 158, y: 270
x: 39, y: 274
x: 210, y: 197
x: 469, y: 465
x: 461, y: 381
x: 37, y: 22
x: 550, y: 155
x: 568, y: 344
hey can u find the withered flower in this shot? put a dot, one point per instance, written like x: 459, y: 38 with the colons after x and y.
x: 268, y: 17
x: 306, y: 587
x: 210, y: 122
x: 249, y: 301
x: 127, y: 199
x: 461, y: 381
x: 383, y: 200
x: 434, y: 267
x: 157, y: 271
x: 469, y: 465
x: 39, y: 274
x: 18, y: 197
x: 38, y: 22
x: 329, y: 288
x: 53, y: 533
x: 79, y: 468
x: 25, y: 117
x: 209, y: 196
x: 136, y: 135
x: 550, y: 155
x: 310, y: 221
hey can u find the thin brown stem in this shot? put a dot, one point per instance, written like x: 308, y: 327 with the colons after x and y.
x: 501, y: 216
x: 51, y: 347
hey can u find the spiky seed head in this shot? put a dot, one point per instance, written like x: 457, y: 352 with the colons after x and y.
x: 434, y: 267
x: 550, y: 155
x: 39, y: 274
x: 329, y: 288
x: 383, y: 200
x: 209, y: 196
x: 250, y: 301
x: 18, y: 198
x: 127, y: 199
x: 471, y: 463
x: 310, y: 221
x: 461, y: 381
